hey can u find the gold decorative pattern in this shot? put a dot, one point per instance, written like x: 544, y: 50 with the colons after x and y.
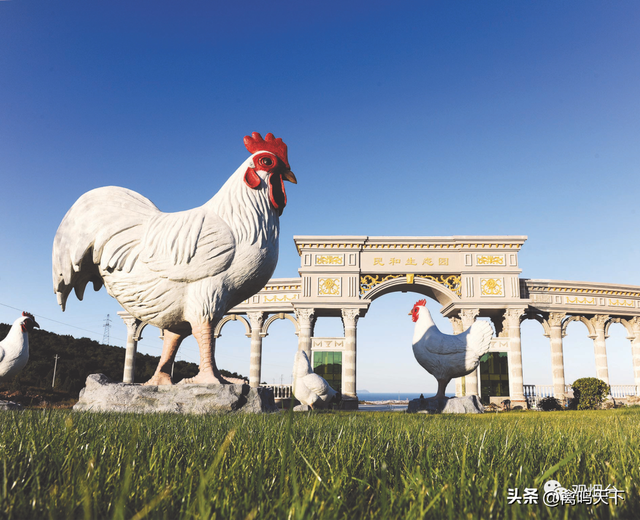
x: 490, y: 260
x: 280, y: 299
x: 450, y: 281
x: 329, y: 260
x: 324, y: 245
x: 581, y: 301
x: 329, y: 287
x: 622, y: 303
x: 491, y: 287
x: 501, y: 245
x: 281, y: 287
x: 409, y: 246
x: 447, y: 245
x: 609, y: 292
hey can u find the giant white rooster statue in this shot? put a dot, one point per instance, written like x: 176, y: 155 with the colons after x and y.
x: 183, y: 271
x: 14, y: 348
x: 446, y: 356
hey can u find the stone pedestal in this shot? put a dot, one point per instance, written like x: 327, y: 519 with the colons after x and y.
x: 104, y: 395
x: 467, y: 404
x: 10, y: 405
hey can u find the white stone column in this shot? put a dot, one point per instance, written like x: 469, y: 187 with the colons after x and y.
x: 512, y: 326
x: 456, y: 323
x: 134, y: 334
x: 634, y: 336
x: 255, y: 363
x: 468, y: 316
x: 350, y: 320
x: 306, y: 321
x: 600, y: 346
x: 557, y: 358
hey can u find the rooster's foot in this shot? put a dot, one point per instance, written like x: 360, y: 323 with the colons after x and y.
x: 204, y: 378
x: 159, y: 379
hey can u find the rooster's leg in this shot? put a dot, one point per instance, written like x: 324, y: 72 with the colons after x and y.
x: 442, y: 385
x: 209, y: 373
x: 170, y: 346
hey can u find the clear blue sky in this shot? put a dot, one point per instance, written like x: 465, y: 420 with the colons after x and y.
x: 402, y: 118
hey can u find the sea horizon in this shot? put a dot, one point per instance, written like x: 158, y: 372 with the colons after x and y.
x: 394, y: 396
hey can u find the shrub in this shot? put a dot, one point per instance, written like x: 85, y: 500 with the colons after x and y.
x: 549, y: 404
x: 589, y: 392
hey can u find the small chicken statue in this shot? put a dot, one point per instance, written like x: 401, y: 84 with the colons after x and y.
x: 14, y: 348
x: 446, y: 356
x: 308, y: 387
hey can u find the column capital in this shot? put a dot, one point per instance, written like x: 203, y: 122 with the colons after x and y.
x: 510, y: 320
x: 599, y: 321
x: 456, y: 323
x: 305, y: 315
x: 350, y: 317
x: 555, y: 318
x: 468, y: 316
x: 134, y: 325
x: 256, y: 318
x: 633, y: 327
x: 512, y: 316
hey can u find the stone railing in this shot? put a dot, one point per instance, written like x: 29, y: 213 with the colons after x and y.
x: 280, y: 391
x: 534, y: 393
x: 618, y: 391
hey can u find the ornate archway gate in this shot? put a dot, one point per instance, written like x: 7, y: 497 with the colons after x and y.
x: 341, y: 275
x: 471, y: 276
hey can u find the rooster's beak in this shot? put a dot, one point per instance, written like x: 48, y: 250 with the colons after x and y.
x: 289, y: 176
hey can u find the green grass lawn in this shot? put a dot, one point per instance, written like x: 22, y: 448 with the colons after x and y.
x: 61, y: 464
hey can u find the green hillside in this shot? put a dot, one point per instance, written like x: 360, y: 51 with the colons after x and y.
x: 78, y: 358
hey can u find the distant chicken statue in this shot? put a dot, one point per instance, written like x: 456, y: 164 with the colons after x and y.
x: 14, y: 348
x: 447, y: 356
x: 308, y: 387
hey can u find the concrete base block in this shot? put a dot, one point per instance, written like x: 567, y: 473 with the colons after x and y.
x: 466, y: 404
x: 348, y: 403
x: 104, y: 395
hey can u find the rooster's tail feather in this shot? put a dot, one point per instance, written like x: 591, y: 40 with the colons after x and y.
x: 480, y: 336
x: 97, y: 217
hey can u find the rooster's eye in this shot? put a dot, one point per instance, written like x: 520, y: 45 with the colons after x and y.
x: 266, y: 161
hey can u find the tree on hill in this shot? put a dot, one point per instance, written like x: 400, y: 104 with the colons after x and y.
x: 80, y: 357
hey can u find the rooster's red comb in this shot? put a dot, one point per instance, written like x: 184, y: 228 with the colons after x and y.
x: 421, y: 303
x: 256, y: 143
x: 28, y: 315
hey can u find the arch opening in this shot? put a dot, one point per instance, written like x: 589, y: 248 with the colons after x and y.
x: 425, y: 286
x: 385, y: 367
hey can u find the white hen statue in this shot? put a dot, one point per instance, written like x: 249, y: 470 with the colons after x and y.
x: 446, y: 356
x: 308, y: 387
x: 14, y: 349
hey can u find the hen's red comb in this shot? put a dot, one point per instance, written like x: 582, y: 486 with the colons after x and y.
x: 256, y: 143
x: 422, y: 303
x: 28, y: 315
